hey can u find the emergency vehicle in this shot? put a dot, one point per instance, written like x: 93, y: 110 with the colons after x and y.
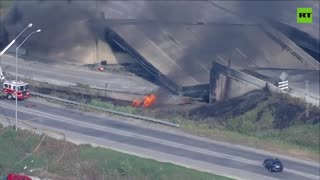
x: 9, y: 90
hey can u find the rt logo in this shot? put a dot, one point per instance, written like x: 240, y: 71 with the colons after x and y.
x: 304, y: 15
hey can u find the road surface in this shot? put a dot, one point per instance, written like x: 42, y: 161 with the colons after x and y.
x: 177, y: 147
x: 66, y: 75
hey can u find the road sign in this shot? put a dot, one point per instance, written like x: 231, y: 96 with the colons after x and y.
x: 283, y: 76
x: 283, y: 85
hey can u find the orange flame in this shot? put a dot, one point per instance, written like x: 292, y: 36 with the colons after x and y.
x: 147, y: 101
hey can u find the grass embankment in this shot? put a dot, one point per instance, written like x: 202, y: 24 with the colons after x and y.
x: 82, y: 161
x: 271, y: 122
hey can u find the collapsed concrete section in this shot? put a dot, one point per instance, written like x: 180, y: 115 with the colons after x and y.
x: 179, y: 55
x: 227, y: 83
x: 174, y: 41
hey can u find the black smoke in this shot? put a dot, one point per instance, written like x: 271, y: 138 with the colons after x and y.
x: 66, y: 28
x: 4, y: 36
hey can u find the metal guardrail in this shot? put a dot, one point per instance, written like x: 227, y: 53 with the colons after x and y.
x: 153, y: 120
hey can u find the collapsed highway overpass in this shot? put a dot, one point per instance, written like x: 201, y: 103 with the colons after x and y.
x: 180, y: 56
x: 175, y: 41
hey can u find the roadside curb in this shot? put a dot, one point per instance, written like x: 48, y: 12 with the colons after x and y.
x: 108, y: 110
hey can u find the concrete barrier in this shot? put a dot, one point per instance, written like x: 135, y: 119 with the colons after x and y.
x: 79, y: 90
x: 108, y: 110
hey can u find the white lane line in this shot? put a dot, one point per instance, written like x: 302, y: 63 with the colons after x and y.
x: 205, y: 68
x: 169, y: 58
x: 220, y: 58
x: 242, y: 54
x: 156, y: 140
x: 222, y: 61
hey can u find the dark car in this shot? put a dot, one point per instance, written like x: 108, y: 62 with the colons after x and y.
x: 273, y: 165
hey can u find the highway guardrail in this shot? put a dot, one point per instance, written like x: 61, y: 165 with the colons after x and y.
x: 153, y: 120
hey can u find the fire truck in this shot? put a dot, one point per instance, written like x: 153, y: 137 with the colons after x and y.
x: 9, y: 90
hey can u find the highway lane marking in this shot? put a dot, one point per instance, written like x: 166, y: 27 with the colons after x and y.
x: 169, y: 58
x: 220, y: 58
x: 13, y: 119
x: 156, y: 140
x: 32, y: 119
x: 204, y: 67
x: 241, y: 53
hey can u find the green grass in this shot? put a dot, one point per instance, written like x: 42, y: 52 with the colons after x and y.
x: 83, y: 161
x: 14, y: 148
x: 108, y: 105
x: 303, y: 135
x: 284, y: 140
x: 138, y: 168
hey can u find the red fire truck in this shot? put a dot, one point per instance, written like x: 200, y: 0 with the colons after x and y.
x: 9, y: 90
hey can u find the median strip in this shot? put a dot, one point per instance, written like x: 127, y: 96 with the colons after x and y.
x: 153, y: 120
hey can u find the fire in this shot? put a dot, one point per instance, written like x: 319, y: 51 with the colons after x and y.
x: 146, y: 102
x: 149, y: 100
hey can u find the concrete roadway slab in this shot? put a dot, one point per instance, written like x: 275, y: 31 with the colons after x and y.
x: 184, y: 53
x: 167, y: 35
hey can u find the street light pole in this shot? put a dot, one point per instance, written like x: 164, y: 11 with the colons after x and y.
x: 9, y: 45
x: 14, y: 40
x: 17, y: 48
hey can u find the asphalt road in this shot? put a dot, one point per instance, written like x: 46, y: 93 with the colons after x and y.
x: 98, y: 129
x: 64, y: 75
